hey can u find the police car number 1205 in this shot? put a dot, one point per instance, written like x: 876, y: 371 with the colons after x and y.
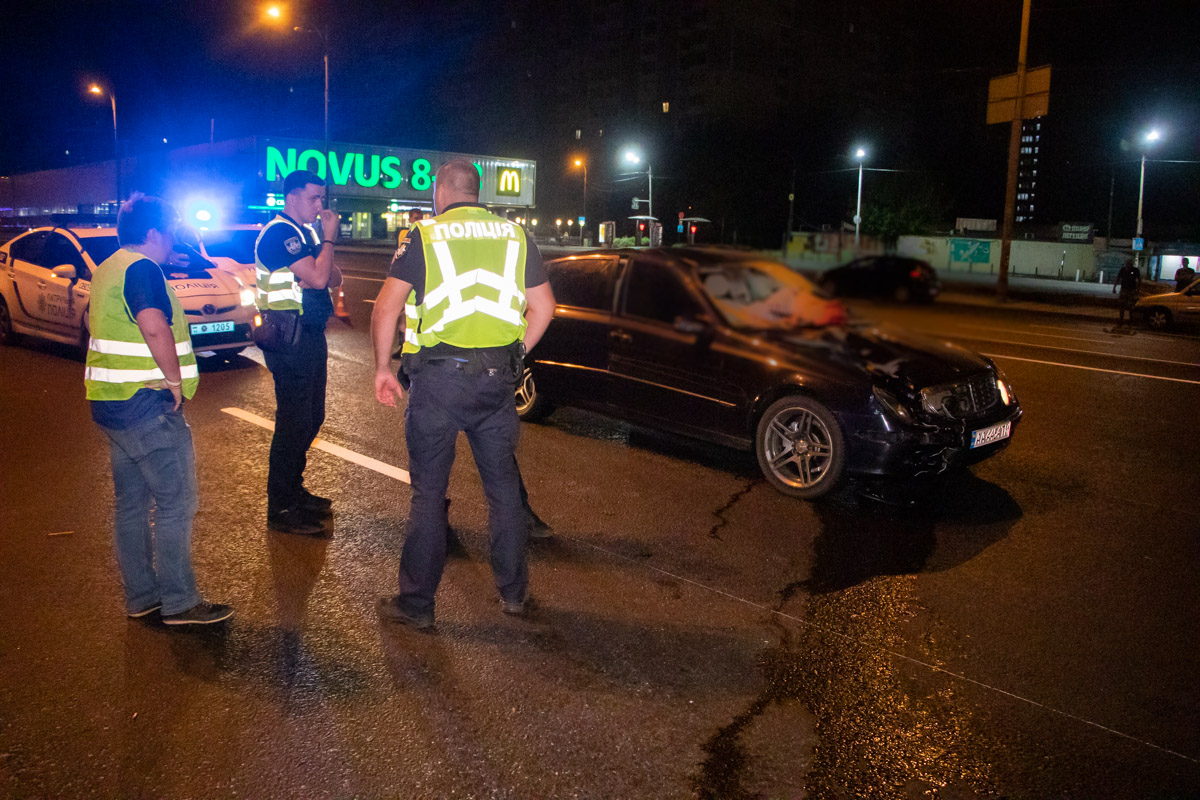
x: 985, y: 436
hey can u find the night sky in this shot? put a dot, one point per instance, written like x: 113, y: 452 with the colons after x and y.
x: 916, y: 97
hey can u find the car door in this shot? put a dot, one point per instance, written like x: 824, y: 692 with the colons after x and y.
x: 64, y: 298
x: 570, y: 363
x: 1188, y: 305
x: 663, y: 368
x: 25, y: 254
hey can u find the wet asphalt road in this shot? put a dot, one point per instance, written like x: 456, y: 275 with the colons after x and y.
x: 1028, y: 633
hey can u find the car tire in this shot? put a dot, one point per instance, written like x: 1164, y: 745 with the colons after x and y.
x: 8, y: 335
x: 531, y: 406
x: 800, y: 448
x: 903, y: 294
x: 1158, y: 318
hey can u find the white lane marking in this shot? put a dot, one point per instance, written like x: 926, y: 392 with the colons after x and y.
x: 1021, y: 332
x: 357, y: 278
x: 1154, y: 334
x: 942, y: 335
x: 894, y: 654
x: 320, y: 444
x: 1092, y: 369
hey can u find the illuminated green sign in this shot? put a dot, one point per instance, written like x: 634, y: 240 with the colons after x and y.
x: 366, y: 170
x: 508, y: 182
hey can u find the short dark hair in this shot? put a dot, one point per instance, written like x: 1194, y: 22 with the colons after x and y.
x: 141, y: 214
x: 461, y: 175
x: 299, y: 179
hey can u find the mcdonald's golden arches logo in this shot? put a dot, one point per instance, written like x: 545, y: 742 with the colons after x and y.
x: 508, y: 181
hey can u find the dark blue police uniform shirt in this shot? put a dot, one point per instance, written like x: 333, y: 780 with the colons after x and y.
x: 145, y: 287
x: 281, y: 247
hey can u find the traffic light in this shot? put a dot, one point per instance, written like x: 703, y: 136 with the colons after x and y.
x: 641, y: 226
x: 693, y: 229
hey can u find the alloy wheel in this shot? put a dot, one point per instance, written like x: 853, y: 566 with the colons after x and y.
x: 798, y: 448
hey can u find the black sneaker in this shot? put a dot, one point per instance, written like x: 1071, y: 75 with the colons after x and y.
x: 517, y: 608
x: 390, y: 610
x: 200, y: 614
x: 145, y: 612
x: 295, y: 520
x: 315, y: 503
x: 538, y: 528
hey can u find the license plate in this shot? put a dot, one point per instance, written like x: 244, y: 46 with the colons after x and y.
x: 201, y: 328
x: 986, y: 436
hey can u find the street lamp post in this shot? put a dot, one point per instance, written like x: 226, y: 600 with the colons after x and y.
x: 579, y: 162
x: 112, y: 96
x: 860, y: 154
x: 633, y: 158
x: 275, y: 14
x: 1150, y: 138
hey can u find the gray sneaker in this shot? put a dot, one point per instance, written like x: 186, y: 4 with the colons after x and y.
x: 515, y: 608
x: 200, y: 614
x: 390, y: 610
x: 148, y: 610
x: 538, y: 527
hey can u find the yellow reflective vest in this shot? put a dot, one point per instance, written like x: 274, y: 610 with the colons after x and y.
x: 119, y: 362
x: 278, y: 290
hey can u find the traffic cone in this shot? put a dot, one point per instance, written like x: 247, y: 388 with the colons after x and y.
x: 339, y: 310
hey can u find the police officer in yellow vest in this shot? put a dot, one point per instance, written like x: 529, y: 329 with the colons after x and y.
x: 480, y: 299
x: 295, y: 271
x: 140, y: 369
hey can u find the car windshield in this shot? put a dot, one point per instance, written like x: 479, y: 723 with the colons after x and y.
x: 237, y: 245
x: 765, y: 295
x: 99, y: 248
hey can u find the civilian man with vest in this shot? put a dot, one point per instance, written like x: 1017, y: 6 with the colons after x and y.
x: 140, y: 368
x: 480, y: 298
x: 295, y: 271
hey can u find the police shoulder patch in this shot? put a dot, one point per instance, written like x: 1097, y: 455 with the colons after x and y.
x: 294, y: 245
x: 400, y: 250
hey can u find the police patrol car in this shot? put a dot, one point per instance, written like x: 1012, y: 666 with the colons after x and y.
x: 45, y: 286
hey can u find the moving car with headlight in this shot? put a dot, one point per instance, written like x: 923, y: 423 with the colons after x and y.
x: 1164, y: 311
x: 732, y: 348
x: 45, y: 286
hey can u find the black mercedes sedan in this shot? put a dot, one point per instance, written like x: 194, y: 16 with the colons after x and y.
x: 730, y: 347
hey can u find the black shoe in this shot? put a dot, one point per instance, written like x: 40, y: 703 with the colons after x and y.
x: 390, y: 610
x: 148, y: 610
x: 200, y: 614
x: 315, y: 503
x: 295, y: 520
x: 517, y: 608
x: 538, y: 528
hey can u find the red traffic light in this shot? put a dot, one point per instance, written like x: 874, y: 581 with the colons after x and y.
x: 693, y: 229
x: 641, y: 226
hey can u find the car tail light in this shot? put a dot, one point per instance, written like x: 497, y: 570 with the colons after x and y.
x: 916, y: 273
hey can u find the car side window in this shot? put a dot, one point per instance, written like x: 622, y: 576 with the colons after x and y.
x: 59, y: 251
x: 30, y: 247
x: 657, y: 292
x: 583, y: 282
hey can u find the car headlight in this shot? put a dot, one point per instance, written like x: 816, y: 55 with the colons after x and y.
x: 1007, y: 395
x: 247, y: 296
x: 892, y: 404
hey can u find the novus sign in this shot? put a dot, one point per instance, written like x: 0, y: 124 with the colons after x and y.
x: 391, y: 173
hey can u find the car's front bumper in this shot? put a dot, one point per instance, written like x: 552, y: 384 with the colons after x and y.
x: 877, y: 447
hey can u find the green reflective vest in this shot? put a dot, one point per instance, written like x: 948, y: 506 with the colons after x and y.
x: 119, y: 362
x: 474, y: 282
x: 279, y: 290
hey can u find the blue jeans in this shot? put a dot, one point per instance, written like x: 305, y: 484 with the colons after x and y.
x: 154, y: 460
x: 443, y: 400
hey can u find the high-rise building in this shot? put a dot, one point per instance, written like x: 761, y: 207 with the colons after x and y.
x: 1027, y: 169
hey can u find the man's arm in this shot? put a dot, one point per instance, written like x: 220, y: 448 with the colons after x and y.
x: 320, y: 272
x: 539, y: 311
x: 161, y: 341
x: 389, y: 305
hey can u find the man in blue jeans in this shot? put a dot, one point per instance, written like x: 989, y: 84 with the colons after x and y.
x: 140, y: 369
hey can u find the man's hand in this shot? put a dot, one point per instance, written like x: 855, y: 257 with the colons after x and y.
x: 176, y: 391
x: 329, y: 224
x: 387, y: 388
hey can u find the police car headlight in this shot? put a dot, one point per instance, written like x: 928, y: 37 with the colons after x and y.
x: 247, y: 296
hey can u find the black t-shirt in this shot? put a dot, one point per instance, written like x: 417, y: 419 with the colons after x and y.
x: 1129, y: 278
x: 408, y: 264
x: 145, y: 287
x: 281, y: 246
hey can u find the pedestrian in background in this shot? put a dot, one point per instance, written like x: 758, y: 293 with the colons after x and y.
x: 140, y: 370
x: 473, y: 276
x: 295, y: 271
x: 1184, y: 275
x: 1129, y: 281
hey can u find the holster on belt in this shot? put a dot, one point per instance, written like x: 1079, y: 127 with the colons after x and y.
x: 508, y: 360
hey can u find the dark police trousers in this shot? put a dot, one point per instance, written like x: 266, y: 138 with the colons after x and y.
x: 300, y: 375
x: 448, y: 396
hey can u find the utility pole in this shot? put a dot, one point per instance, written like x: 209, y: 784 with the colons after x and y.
x: 1112, y: 188
x: 1014, y: 152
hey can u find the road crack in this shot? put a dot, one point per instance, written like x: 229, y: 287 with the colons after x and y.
x: 720, y: 512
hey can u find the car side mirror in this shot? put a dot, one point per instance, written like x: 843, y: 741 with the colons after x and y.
x: 64, y: 271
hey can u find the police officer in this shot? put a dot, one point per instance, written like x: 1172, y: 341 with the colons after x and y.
x: 140, y: 369
x: 295, y: 271
x: 480, y: 299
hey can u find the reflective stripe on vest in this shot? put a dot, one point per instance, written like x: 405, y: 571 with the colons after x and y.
x: 474, y: 281
x: 119, y: 362
x: 278, y: 290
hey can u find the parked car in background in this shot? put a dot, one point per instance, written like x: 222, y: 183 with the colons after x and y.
x: 906, y: 280
x: 1165, y: 310
x: 45, y: 289
x: 730, y: 347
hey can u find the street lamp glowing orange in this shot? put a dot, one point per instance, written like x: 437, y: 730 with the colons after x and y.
x: 274, y: 12
x: 94, y: 89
